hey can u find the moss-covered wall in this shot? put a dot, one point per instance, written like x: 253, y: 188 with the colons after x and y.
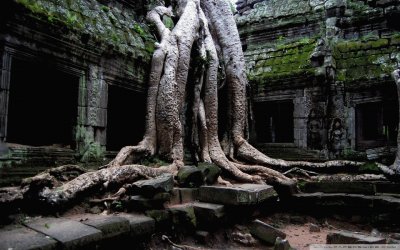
x: 112, y: 23
x: 280, y: 38
x: 327, y: 57
x: 366, y: 61
x: 276, y: 66
x: 101, y: 43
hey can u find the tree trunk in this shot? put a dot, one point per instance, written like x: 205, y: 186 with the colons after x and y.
x: 207, y: 26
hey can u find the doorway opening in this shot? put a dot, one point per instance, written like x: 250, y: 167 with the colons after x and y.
x: 274, y: 122
x: 42, y: 108
x: 125, y: 117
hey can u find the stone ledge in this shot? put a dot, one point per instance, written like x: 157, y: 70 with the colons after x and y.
x: 243, y: 194
x: 25, y: 238
x: 71, y: 234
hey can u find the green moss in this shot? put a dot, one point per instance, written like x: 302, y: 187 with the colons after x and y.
x: 88, y: 150
x: 287, y: 60
x: 98, y: 21
x: 369, y: 167
x: 364, y: 59
x: 105, y: 8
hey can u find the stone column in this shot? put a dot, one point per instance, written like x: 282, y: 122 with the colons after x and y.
x: 5, y: 66
x: 92, y: 119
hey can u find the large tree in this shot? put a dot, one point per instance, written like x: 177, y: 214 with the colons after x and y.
x: 188, y: 64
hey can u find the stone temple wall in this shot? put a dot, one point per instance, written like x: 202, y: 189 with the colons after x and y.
x: 332, y: 59
x: 99, y: 43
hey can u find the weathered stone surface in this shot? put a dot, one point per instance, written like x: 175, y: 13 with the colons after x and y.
x: 110, y: 225
x: 190, y: 176
x: 314, y: 228
x: 333, y: 200
x: 188, y: 194
x: 265, y: 232
x: 242, y: 194
x: 183, y: 216
x: 162, y: 218
x: 140, y: 225
x: 210, y: 171
x: 23, y: 238
x: 342, y: 237
x: 202, y: 236
x: 340, y: 187
x: 138, y: 202
x: 208, y: 215
x: 70, y: 233
x: 281, y: 244
x: 149, y: 188
x: 183, y: 195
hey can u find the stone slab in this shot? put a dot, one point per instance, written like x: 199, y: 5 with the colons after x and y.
x: 242, y: 194
x: 110, y: 225
x: 149, y: 188
x: 70, y: 233
x: 207, y: 214
x: 265, y: 232
x: 343, y: 237
x: 340, y: 187
x: 23, y: 238
x: 140, y: 225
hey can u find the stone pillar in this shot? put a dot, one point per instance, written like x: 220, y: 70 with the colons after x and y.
x: 301, y: 109
x: 92, y: 118
x: 5, y: 66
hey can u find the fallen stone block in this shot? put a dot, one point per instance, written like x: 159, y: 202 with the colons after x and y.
x: 71, y: 234
x: 208, y: 215
x: 211, y: 172
x: 202, y: 237
x: 343, y: 237
x: 265, y: 232
x: 24, y: 238
x: 314, y: 228
x: 183, y: 216
x: 242, y: 194
x: 149, y: 188
x: 281, y: 244
x: 190, y: 176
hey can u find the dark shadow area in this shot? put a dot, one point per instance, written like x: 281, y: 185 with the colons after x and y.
x: 42, y: 105
x: 125, y: 118
x: 274, y: 121
x: 376, y: 124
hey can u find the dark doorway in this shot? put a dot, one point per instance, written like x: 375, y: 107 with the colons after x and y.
x: 42, y: 107
x: 125, y: 117
x: 274, y: 121
x: 376, y: 124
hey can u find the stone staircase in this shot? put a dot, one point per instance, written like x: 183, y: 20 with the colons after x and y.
x: 186, y: 211
x: 360, y: 201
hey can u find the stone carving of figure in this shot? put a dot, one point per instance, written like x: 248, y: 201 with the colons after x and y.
x: 335, y: 138
x: 314, y: 128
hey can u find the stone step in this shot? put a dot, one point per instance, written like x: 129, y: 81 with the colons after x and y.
x: 17, y: 237
x: 378, y: 203
x: 238, y: 194
x: 208, y: 215
x: 84, y: 231
x: 351, y: 187
x: 71, y: 234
